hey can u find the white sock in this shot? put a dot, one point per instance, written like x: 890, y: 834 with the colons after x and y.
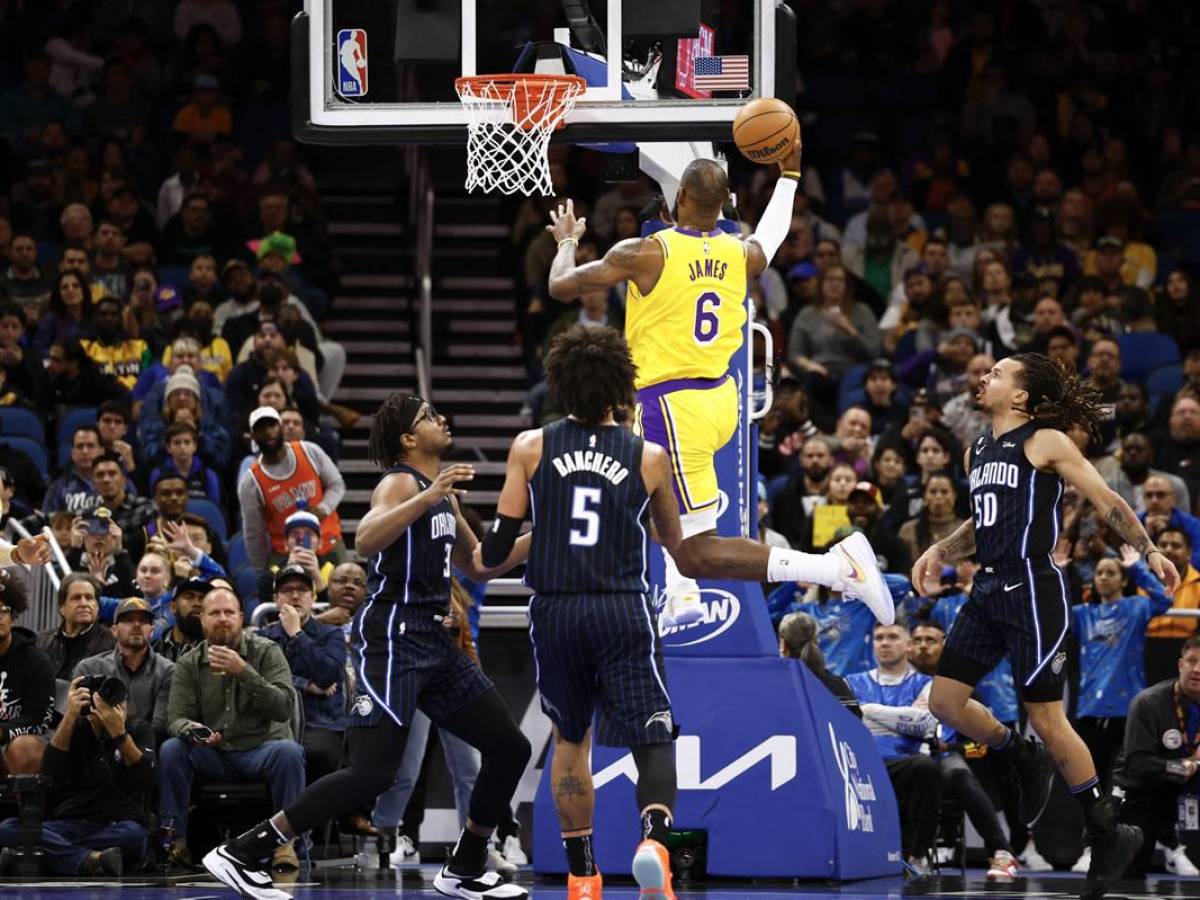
x: 676, y: 583
x: 811, y: 568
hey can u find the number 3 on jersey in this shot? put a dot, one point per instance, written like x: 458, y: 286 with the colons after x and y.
x: 707, y: 321
x: 985, y: 509
x: 583, y: 499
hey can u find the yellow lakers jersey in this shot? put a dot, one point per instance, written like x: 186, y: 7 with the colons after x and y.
x: 690, y: 323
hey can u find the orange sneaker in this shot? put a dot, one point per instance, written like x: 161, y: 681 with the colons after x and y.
x: 652, y: 870
x: 584, y: 887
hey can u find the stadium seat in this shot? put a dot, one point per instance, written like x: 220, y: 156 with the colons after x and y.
x: 235, y: 553
x: 175, y: 276
x: 212, y: 514
x: 246, y: 581
x: 1164, y: 381
x: 1144, y: 351
x: 72, y: 419
x: 16, y: 421
x: 856, y: 397
x: 31, y: 448
x: 906, y: 348
x: 852, y: 379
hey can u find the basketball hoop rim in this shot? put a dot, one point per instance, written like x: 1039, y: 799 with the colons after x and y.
x: 512, y: 79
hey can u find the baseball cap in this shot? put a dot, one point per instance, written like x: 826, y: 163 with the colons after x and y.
x: 234, y: 263
x: 960, y: 331
x: 166, y: 298
x: 1108, y: 241
x: 192, y: 584
x: 262, y: 414
x: 802, y: 270
x: 302, y: 518
x: 291, y: 573
x: 879, y: 365
x: 866, y: 490
x: 918, y: 269
x: 133, y: 605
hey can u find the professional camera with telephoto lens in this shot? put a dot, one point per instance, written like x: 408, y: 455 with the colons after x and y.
x: 27, y: 857
x: 109, y: 688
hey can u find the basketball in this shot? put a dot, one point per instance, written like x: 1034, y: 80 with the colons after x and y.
x: 765, y: 130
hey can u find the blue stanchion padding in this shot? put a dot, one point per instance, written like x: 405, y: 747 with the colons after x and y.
x: 783, y: 780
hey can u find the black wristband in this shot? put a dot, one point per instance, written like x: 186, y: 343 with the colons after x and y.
x: 499, y: 540
x: 116, y: 741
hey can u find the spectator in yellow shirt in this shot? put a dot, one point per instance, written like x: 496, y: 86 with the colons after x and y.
x: 114, y: 352
x: 206, y: 117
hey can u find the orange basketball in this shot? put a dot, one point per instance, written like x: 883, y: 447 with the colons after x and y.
x: 765, y: 130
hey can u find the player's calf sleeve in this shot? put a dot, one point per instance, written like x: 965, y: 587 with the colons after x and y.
x: 792, y: 565
x: 487, y: 725
x: 657, y: 785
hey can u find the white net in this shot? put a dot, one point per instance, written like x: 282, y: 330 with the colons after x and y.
x: 510, y: 119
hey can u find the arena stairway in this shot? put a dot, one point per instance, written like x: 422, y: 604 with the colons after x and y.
x: 477, y: 375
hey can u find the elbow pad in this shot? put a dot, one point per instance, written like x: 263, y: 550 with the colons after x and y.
x: 499, y: 540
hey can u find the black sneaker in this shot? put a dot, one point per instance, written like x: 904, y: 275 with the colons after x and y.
x: 107, y: 862
x: 248, y: 878
x: 1036, y: 779
x: 1111, y: 854
x: 476, y: 887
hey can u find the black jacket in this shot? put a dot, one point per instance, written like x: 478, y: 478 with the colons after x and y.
x: 1151, y: 727
x: 65, y: 653
x: 26, y: 688
x: 92, y: 781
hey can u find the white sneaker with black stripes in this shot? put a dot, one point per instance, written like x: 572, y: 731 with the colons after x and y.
x: 475, y: 887
x: 247, y: 878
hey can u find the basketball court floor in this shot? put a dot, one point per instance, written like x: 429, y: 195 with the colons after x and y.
x: 349, y: 884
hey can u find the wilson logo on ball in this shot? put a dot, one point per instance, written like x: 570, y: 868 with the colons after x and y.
x: 769, y: 150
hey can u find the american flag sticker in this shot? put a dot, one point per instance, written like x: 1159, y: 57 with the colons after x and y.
x: 722, y: 73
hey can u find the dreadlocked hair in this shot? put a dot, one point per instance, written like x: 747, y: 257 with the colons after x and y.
x: 391, y: 421
x: 589, y: 371
x: 1057, y: 395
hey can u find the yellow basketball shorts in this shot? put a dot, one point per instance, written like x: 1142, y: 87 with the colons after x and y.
x: 692, y: 418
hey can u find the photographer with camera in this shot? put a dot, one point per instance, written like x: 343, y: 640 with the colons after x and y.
x: 26, y: 685
x: 79, y: 634
x: 1160, y: 759
x: 102, y: 780
x: 145, y: 675
x: 96, y: 549
x: 230, y: 715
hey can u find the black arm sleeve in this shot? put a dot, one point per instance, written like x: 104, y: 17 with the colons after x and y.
x: 499, y: 540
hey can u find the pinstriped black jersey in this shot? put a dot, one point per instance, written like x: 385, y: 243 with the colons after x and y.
x: 590, y: 512
x: 1016, y: 508
x: 415, y: 569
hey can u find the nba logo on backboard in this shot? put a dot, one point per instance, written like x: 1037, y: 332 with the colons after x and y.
x: 352, y: 62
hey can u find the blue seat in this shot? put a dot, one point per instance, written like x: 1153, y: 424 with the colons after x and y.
x: 1165, y: 380
x: 212, y: 514
x: 1144, y: 351
x: 246, y: 582
x: 235, y: 553
x: 852, y: 379
x: 17, y: 421
x: 906, y: 348
x: 856, y: 397
x: 72, y: 419
x: 33, y: 449
x: 175, y: 276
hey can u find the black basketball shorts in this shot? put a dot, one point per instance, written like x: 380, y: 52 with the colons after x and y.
x: 404, y: 659
x: 601, y: 653
x: 1021, y: 609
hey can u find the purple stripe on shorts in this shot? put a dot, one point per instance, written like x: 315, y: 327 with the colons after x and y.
x: 650, y: 394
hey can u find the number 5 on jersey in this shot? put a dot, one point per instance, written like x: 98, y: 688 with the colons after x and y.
x: 985, y: 509
x: 583, y: 503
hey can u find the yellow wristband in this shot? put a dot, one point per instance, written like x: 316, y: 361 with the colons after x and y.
x: 787, y: 173
x: 568, y: 240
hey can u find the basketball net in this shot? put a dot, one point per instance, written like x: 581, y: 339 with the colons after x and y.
x: 510, y: 119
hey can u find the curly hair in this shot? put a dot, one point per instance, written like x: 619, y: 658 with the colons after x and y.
x: 12, y: 593
x: 590, y: 372
x: 1057, y: 395
x: 391, y: 421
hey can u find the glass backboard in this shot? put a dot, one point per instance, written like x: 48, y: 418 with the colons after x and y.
x: 368, y: 71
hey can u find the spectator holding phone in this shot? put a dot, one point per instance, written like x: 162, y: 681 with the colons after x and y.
x: 102, y: 779
x: 230, y: 717
x: 96, y: 549
x: 302, y: 535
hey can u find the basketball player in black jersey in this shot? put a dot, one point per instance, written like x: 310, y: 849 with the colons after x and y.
x: 405, y: 657
x: 1019, y: 602
x: 592, y: 488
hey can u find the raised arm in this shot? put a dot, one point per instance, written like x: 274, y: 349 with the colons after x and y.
x: 1050, y: 449
x: 637, y: 259
x: 501, y: 547
x: 396, y: 503
x: 776, y: 219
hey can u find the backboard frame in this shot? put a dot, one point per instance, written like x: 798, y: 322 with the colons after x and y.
x: 599, y: 117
